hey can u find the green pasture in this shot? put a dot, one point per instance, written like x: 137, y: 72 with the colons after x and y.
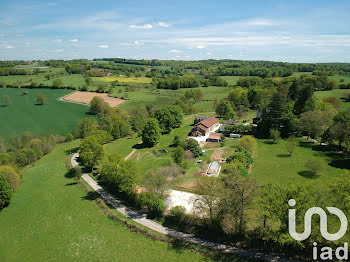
x: 273, y: 163
x: 23, y: 115
x: 337, y: 93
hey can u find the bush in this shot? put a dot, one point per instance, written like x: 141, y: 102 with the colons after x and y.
x: 97, y: 105
x: 154, y: 204
x: 243, y: 156
x: 11, y: 176
x: 41, y: 99
x: 248, y: 143
x: 178, y: 212
x: 193, y: 146
x: 275, y: 135
x: 69, y: 137
x: 5, y: 192
x: 314, y: 166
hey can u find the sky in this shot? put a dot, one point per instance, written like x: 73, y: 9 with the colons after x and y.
x: 290, y: 31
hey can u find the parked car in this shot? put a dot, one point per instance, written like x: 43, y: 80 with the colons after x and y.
x: 235, y: 136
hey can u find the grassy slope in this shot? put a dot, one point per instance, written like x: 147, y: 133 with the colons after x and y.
x: 52, y: 219
x: 273, y: 164
x: 55, y: 117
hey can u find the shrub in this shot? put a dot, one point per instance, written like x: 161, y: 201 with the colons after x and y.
x: 314, y: 166
x: 41, y: 99
x: 243, y: 156
x: 97, y: 105
x: 248, y: 143
x: 154, y: 204
x: 193, y: 146
x: 11, y: 176
x: 178, y: 212
x: 69, y: 137
x: 5, y: 192
x: 275, y: 135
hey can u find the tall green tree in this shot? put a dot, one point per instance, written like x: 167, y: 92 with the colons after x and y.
x: 90, y: 151
x: 151, y: 133
x: 225, y: 110
x: 120, y: 174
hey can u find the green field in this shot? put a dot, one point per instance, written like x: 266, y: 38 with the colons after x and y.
x: 74, y: 80
x: 23, y: 115
x: 162, y: 97
x: 274, y: 164
x: 52, y: 218
x: 337, y: 93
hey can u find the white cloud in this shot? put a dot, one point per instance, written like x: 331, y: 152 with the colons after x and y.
x: 103, y: 46
x: 209, y: 53
x: 135, y: 43
x: 145, y: 26
x: 175, y: 51
x: 200, y: 46
x: 7, y: 46
x: 57, y: 41
x: 74, y: 40
x: 258, y: 22
x: 58, y: 50
x: 162, y: 24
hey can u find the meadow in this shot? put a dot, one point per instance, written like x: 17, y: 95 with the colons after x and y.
x: 337, y: 93
x: 273, y: 163
x: 52, y: 218
x: 142, y: 96
x: 23, y: 115
x: 144, y: 80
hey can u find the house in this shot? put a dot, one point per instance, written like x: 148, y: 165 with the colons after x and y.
x: 204, y: 127
x: 198, y: 119
x: 214, y: 137
x: 227, y: 123
x: 214, y: 169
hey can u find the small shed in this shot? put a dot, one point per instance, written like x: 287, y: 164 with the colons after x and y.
x: 214, y: 169
x: 214, y: 137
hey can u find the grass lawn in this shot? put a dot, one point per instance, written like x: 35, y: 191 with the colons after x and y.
x: 162, y: 97
x: 23, y: 115
x: 274, y: 164
x: 145, y: 80
x: 338, y: 93
x: 74, y: 80
x: 22, y: 79
x: 51, y: 218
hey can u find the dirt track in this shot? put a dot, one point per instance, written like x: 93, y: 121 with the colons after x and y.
x: 86, y: 97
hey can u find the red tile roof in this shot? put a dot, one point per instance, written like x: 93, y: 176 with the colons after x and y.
x: 214, y: 136
x: 208, y: 122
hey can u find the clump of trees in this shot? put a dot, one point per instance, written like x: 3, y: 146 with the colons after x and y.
x: 174, y: 82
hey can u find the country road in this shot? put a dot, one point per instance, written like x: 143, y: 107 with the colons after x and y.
x: 143, y: 220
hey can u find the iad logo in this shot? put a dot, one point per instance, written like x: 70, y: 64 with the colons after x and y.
x: 326, y: 252
x: 323, y: 222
